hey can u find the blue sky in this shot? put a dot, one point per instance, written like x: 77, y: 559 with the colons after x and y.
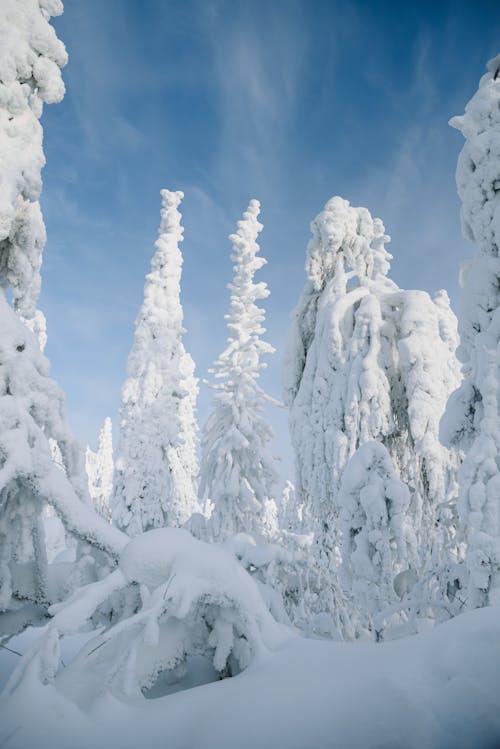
x: 288, y: 102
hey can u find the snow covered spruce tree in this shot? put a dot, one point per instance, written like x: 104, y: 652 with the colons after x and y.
x: 367, y: 361
x: 156, y: 470
x: 32, y: 411
x: 31, y: 57
x: 237, y: 472
x: 472, y: 419
x: 100, y: 468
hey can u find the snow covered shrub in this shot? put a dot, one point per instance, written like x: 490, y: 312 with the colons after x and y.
x: 99, y: 467
x: 367, y: 361
x: 472, y: 419
x: 237, y: 473
x: 190, y: 599
x: 31, y: 57
x: 32, y: 411
x: 156, y: 470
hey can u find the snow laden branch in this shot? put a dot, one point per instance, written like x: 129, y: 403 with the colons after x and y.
x: 156, y: 470
x: 174, y: 597
x: 238, y: 474
x: 472, y: 419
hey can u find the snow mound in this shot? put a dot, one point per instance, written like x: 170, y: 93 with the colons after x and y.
x: 438, y: 690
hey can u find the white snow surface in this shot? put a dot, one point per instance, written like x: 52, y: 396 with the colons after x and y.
x: 438, y: 690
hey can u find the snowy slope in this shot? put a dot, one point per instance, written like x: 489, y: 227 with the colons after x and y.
x: 436, y: 690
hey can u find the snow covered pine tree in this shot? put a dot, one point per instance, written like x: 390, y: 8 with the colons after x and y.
x: 100, y: 469
x: 32, y: 410
x: 472, y: 419
x: 237, y: 472
x: 367, y: 361
x: 156, y: 471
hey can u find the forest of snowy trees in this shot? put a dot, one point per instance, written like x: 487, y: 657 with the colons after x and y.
x: 171, y: 556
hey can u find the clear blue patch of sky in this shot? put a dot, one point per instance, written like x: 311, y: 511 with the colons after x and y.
x: 288, y: 102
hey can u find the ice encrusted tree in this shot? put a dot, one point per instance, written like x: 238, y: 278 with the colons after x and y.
x: 237, y: 472
x: 472, y: 419
x: 367, y: 361
x: 31, y: 57
x: 156, y: 470
x: 100, y: 469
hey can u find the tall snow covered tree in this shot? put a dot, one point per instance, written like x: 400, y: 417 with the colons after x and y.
x: 156, y: 470
x: 100, y: 469
x: 31, y: 57
x: 32, y: 411
x: 32, y: 418
x: 366, y: 361
x: 472, y: 419
x: 237, y: 472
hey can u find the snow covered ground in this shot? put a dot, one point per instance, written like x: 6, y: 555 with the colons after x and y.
x: 438, y: 689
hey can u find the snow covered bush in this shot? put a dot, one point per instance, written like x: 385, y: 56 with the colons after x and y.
x: 99, y: 467
x: 472, y: 419
x: 187, y: 598
x: 32, y: 412
x: 156, y: 471
x: 237, y: 473
x: 31, y: 57
x: 367, y: 361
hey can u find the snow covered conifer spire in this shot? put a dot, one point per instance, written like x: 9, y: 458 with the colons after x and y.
x: 156, y: 470
x: 31, y: 57
x: 472, y: 419
x: 366, y: 361
x: 100, y: 470
x: 237, y: 473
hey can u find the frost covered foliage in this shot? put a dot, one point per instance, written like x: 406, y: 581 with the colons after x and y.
x: 179, y: 598
x: 31, y: 57
x: 472, y: 420
x: 99, y: 467
x: 237, y: 472
x: 32, y: 411
x: 367, y: 361
x: 156, y: 470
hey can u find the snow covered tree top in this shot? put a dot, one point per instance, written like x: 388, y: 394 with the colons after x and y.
x: 478, y: 175
x: 31, y: 58
x: 346, y: 238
